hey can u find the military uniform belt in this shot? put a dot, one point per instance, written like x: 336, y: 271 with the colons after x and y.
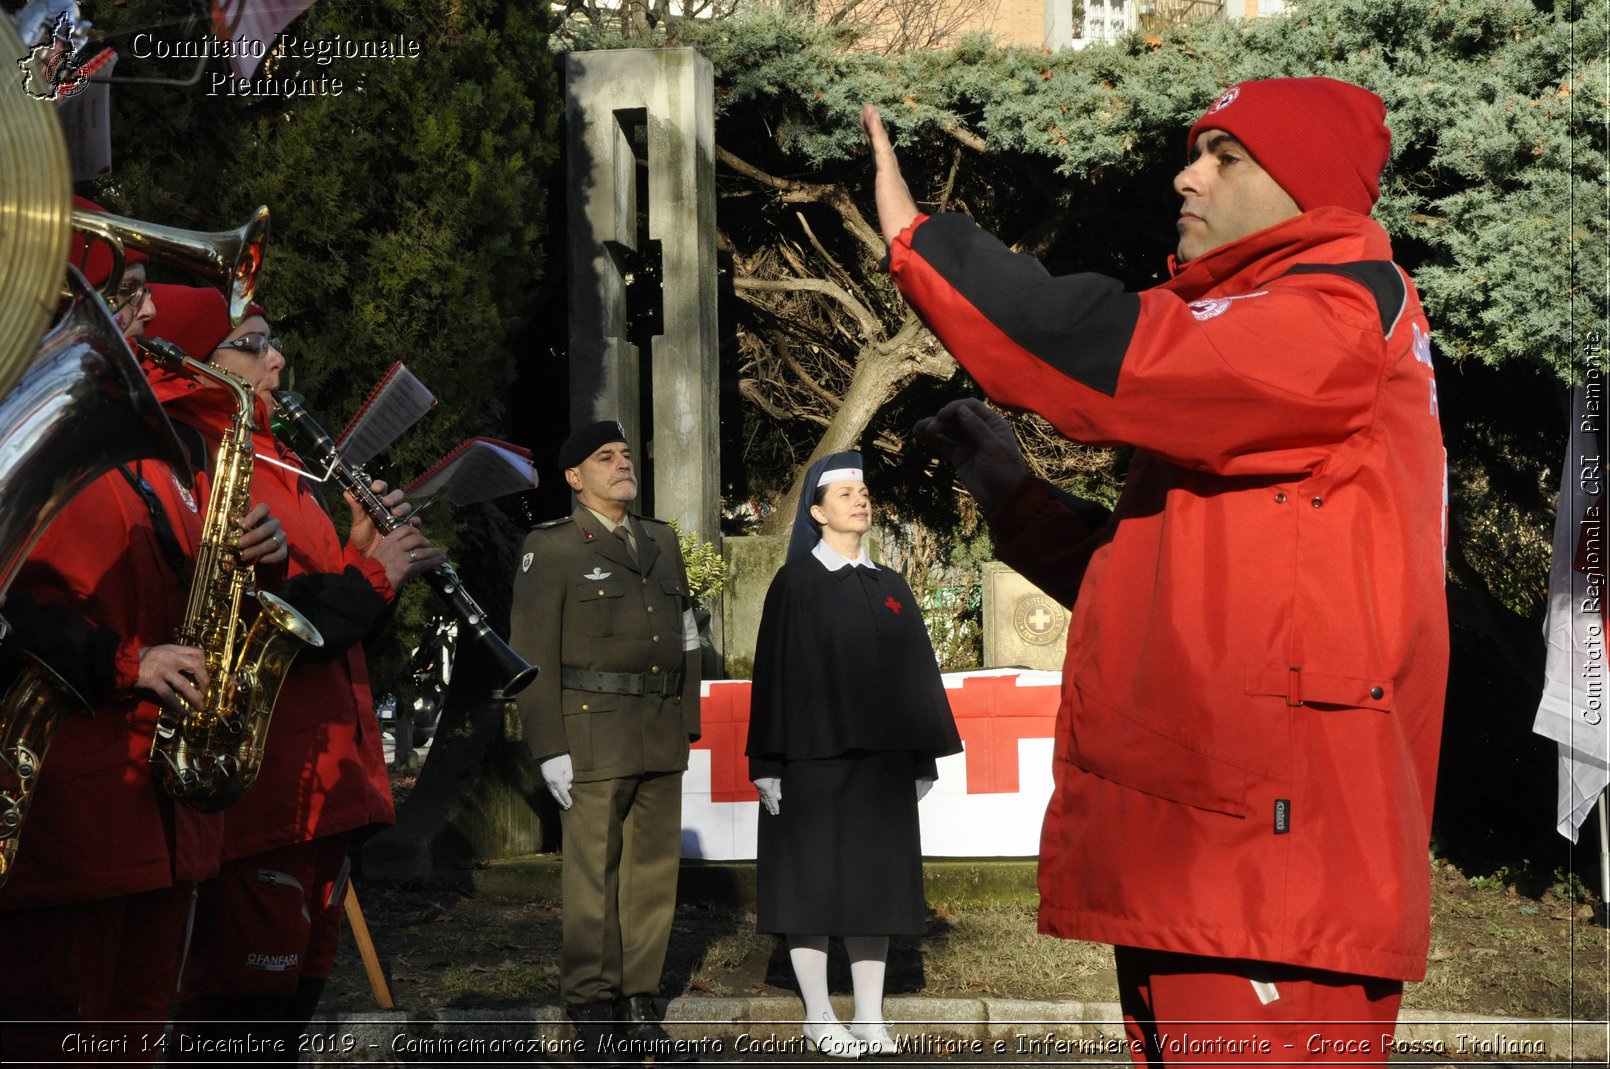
x: 635, y: 684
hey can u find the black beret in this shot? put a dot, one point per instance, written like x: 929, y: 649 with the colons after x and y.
x: 585, y: 442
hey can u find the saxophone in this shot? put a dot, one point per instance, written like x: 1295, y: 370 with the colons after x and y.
x: 206, y: 758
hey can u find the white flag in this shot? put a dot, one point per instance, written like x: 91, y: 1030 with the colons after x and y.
x: 1575, y: 691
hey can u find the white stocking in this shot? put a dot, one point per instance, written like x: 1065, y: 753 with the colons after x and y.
x: 868, y: 954
x: 808, y: 954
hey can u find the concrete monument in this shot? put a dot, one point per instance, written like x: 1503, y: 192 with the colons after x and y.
x: 1022, y: 625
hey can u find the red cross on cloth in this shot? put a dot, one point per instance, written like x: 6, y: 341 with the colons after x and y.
x: 993, y: 714
x: 894, y: 606
x: 724, y: 727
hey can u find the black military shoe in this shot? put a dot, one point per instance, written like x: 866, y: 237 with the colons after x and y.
x: 600, y: 1032
x: 645, y: 1039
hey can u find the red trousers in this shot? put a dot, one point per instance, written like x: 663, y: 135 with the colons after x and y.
x: 269, y: 921
x: 90, y: 983
x: 1181, y: 1009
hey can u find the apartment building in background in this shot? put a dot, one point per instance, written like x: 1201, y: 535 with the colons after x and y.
x: 897, y: 25
x: 894, y: 26
x: 1108, y: 20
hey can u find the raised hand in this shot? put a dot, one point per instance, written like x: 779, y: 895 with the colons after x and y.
x: 980, y: 444
x: 896, y: 207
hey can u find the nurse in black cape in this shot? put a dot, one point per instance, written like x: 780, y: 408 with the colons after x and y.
x: 847, y: 717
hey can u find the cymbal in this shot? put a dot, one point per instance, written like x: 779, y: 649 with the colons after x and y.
x: 36, y: 207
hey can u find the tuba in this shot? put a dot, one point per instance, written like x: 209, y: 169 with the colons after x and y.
x: 80, y: 410
x: 228, y: 259
x: 36, y: 201
x: 37, y: 703
x: 208, y: 757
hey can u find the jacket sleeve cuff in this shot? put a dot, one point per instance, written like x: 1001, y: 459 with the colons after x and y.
x: 761, y: 767
x: 900, y: 248
x: 1018, y: 508
x: 375, y: 572
x: 271, y: 577
x: 126, y: 666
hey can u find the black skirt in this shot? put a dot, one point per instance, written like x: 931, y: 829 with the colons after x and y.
x: 844, y: 855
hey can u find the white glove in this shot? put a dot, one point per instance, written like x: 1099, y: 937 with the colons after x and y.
x: 771, y: 792
x: 558, y: 773
x: 923, y: 787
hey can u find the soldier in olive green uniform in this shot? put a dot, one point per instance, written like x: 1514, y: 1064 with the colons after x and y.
x: 601, y: 603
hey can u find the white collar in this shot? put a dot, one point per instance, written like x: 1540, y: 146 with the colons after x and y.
x: 833, y: 560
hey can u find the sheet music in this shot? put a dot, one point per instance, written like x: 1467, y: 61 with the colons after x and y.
x: 478, y: 470
x: 396, y: 403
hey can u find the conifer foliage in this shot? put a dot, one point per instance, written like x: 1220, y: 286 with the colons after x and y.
x: 1498, y: 112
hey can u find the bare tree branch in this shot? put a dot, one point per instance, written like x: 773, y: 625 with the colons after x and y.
x: 805, y: 225
x: 751, y: 391
x: 950, y: 181
x: 870, y: 327
x: 832, y: 400
x: 898, y: 26
x: 797, y: 192
x: 967, y: 138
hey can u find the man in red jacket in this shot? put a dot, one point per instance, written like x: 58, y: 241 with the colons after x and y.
x: 1252, y: 697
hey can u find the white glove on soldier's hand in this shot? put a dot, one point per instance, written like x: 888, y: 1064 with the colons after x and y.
x: 558, y: 773
x: 771, y: 793
x: 923, y: 787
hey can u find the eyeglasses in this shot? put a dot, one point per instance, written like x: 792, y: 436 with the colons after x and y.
x: 130, y: 295
x: 255, y: 344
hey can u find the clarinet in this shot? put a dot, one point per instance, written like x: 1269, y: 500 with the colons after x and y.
x: 443, y: 579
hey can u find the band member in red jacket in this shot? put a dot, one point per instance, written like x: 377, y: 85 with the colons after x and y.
x: 268, y: 925
x: 94, y: 912
x: 1252, y: 699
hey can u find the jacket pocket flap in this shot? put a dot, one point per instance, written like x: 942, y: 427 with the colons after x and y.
x: 599, y: 588
x: 1110, y: 744
x: 1301, y: 687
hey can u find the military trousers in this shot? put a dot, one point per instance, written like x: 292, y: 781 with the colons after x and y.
x: 622, y: 852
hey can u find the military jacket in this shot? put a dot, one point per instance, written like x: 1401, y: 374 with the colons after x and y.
x: 606, y: 633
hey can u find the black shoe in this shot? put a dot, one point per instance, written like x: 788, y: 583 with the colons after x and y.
x: 644, y: 1037
x: 599, y: 1031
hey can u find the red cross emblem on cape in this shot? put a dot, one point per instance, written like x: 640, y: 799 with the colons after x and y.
x: 894, y: 606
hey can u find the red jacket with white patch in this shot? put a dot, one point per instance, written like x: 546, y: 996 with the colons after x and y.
x: 1252, y: 696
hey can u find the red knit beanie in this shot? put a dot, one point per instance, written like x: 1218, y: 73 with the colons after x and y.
x: 195, y: 318
x: 92, y: 255
x: 1323, y: 140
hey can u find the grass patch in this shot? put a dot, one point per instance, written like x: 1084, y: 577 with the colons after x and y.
x: 1495, y: 951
